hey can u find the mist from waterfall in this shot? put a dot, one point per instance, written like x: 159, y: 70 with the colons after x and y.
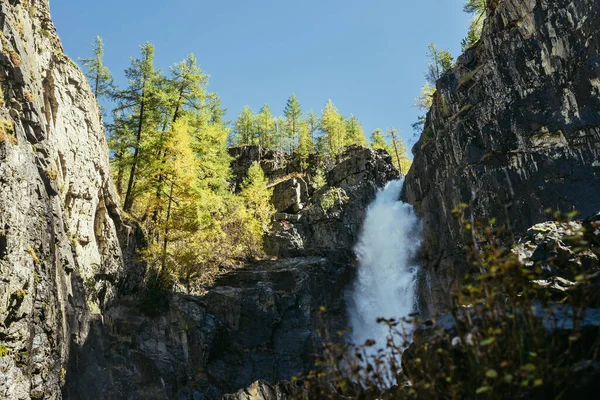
x: 385, y: 285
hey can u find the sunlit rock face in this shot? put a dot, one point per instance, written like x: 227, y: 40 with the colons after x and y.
x: 514, y: 130
x: 61, y: 259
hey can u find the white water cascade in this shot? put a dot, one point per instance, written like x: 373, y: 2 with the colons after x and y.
x: 385, y: 285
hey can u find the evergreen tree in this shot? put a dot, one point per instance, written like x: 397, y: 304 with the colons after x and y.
x: 97, y: 73
x: 355, y: 133
x: 293, y: 115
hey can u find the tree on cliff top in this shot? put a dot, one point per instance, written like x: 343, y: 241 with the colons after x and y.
x: 98, y: 74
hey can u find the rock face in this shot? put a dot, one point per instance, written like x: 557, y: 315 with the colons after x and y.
x: 290, y: 195
x: 255, y: 323
x: 63, y: 241
x: 514, y: 130
x: 332, y: 229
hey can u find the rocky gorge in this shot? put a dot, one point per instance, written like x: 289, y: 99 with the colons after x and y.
x: 513, y: 131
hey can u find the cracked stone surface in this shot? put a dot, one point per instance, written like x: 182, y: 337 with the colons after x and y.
x: 514, y: 130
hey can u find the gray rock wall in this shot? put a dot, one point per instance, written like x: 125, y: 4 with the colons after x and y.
x: 61, y: 258
x: 514, y: 130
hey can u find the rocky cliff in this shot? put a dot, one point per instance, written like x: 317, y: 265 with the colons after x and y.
x: 63, y: 241
x: 514, y: 130
x: 318, y: 221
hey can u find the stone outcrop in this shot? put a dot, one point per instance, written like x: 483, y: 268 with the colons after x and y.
x: 514, y: 129
x: 290, y: 195
x: 255, y: 323
x: 332, y: 229
x: 63, y: 241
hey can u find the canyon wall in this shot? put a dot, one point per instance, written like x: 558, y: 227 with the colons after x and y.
x: 63, y: 240
x: 514, y: 130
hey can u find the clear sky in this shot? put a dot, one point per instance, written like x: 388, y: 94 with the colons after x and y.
x: 368, y: 56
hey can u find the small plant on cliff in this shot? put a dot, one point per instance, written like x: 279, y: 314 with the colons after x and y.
x: 7, y: 132
x: 52, y: 173
x: 333, y: 196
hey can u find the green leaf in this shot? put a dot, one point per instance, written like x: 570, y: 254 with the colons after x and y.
x: 528, y: 367
x: 482, y: 389
x: 491, y: 373
x: 488, y: 341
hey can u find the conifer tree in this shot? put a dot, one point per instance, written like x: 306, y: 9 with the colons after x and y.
x: 312, y: 121
x: 140, y: 100
x: 293, y: 115
x: 355, y: 133
x: 440, y: 61
x: 265, y: 128
x: 477, y: 9
x: 98, y: 74
x: 306, y: 146
x: 258, y: 200
x: 332, y: 124
x: 398, y: 152
x: 245, y: 128
x: 378, y: 140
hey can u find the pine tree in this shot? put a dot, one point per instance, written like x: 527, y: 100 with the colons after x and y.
x: 293, y: 115
x: 97, y: 73
x: 332, y: 124
x: 355, y: 133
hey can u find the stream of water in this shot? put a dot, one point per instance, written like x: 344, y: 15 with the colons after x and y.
x: 385, y: 285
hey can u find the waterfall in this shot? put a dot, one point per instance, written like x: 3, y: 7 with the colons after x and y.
x: 385, y: 285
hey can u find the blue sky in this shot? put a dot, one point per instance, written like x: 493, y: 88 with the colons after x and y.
x: 368, y: 56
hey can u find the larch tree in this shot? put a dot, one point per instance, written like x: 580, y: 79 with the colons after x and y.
x: 477, y: 9
x: 140, y: 101
x: 398, y: 152
x: 355, y: 133
x: 378, y: 140
x: 183, y: 93
x: 332, y: 124
x: 98, y: 74
x: 257, y: 197
x: 306, y: 145
x: 265, y: 128
x: 293, y: 115
x: 245, y: 128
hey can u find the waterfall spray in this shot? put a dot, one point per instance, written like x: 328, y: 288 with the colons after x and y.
x: 385, y: 286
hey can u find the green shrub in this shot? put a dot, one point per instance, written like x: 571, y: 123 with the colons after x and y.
x: 332, y: 196
x: 7, y: 132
